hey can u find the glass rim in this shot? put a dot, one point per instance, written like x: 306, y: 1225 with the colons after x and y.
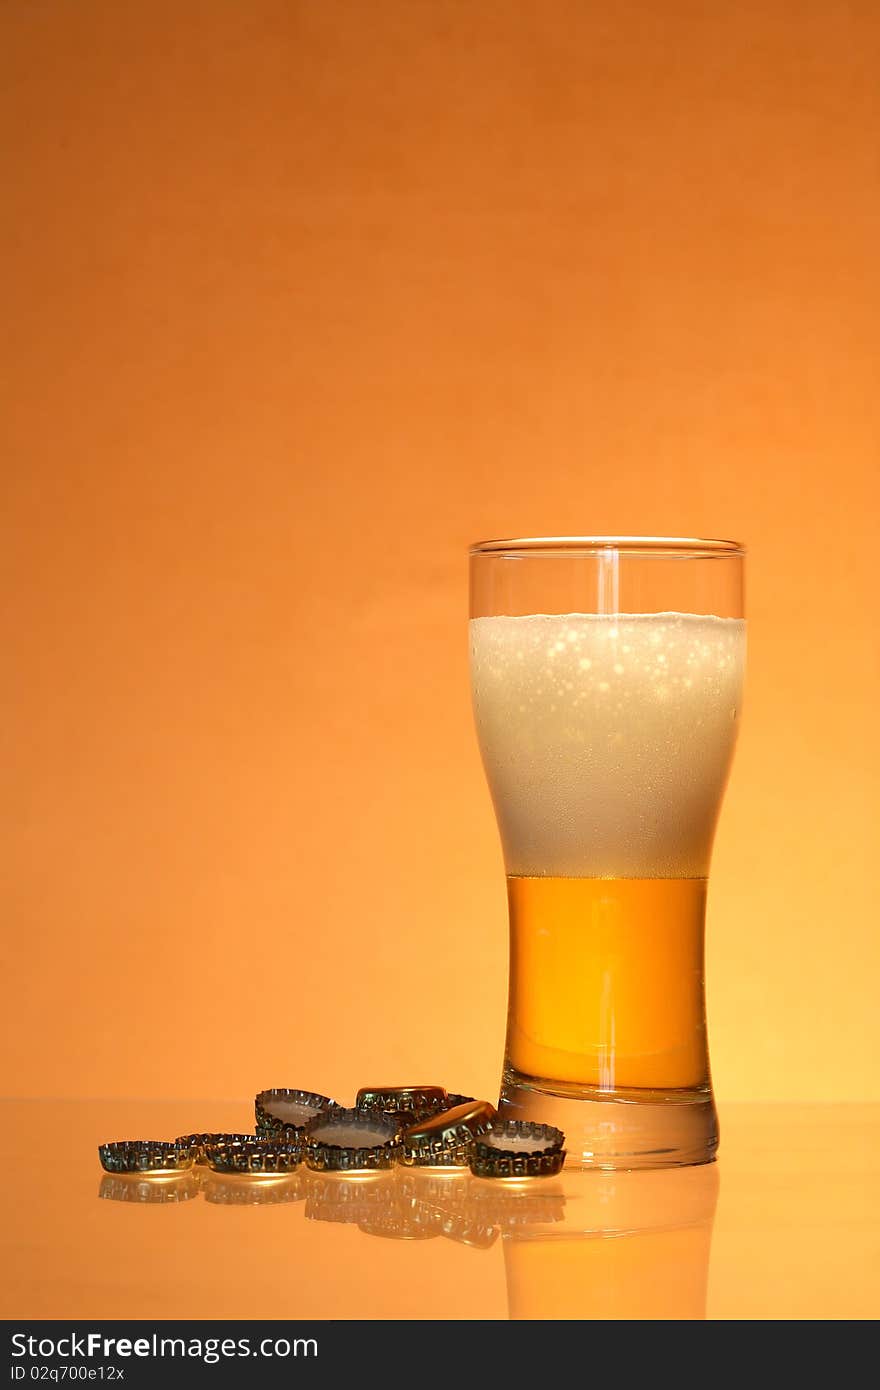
x: 656, y: 547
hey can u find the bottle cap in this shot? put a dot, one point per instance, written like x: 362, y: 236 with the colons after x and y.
x: 446, y: 1140
x: 199, y: 1143
x: 156, y: 1157
x: 457, y: 1156
x: 351, y: 1141
x: 253, y: 1155
x: 283, y: 1109
x: 518, y: 1149
x: 409, y: 1103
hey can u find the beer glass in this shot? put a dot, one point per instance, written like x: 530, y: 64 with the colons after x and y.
x: 607, y: 681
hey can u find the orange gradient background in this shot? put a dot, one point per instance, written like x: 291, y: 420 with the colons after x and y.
x: 302, y: 297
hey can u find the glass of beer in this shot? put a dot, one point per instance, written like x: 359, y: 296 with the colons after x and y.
x: 607, y: 676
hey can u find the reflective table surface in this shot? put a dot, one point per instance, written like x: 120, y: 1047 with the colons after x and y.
x: 785, y: 1225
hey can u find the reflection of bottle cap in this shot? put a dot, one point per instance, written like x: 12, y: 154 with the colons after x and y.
x: 517, y: 1208
x: 154, y: 1156
x: 129, y: 1187
x: 448, y: 1191
x: 446, y: 1140
x: 283, y: 1110
x: 379, y: 1204
x: 402, y: 1220
x: 230, y: 1192
x: 518, y: 1149
x: 253, y: 1155
x: 468, y: 1229
x: 347, y: 1200
x: 351, y: 1141
x: 410, y: 1103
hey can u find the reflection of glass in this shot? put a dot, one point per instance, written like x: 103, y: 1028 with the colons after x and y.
x: 607, y: 682
x: 634, y: 1246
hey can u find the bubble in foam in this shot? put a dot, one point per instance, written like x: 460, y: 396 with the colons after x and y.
x: 592, y: 786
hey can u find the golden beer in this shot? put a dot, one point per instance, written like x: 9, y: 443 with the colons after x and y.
x: 606, y: 982
x: 607, y: 739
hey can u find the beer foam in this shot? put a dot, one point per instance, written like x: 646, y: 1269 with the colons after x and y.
x: 607, y: 739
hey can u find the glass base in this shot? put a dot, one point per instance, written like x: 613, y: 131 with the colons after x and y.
x: 617, y: 1129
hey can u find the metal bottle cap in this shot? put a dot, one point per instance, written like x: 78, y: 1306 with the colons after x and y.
x: 518, y: 1149
x: 411, y: 1103
x: 254, y: 1155
x: 446, y: 1140
x: 285, y: 1110
x: 351, y: 1141
x: 199, y: 1143
x: 456, y: 1156
x: 147, y: 1156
